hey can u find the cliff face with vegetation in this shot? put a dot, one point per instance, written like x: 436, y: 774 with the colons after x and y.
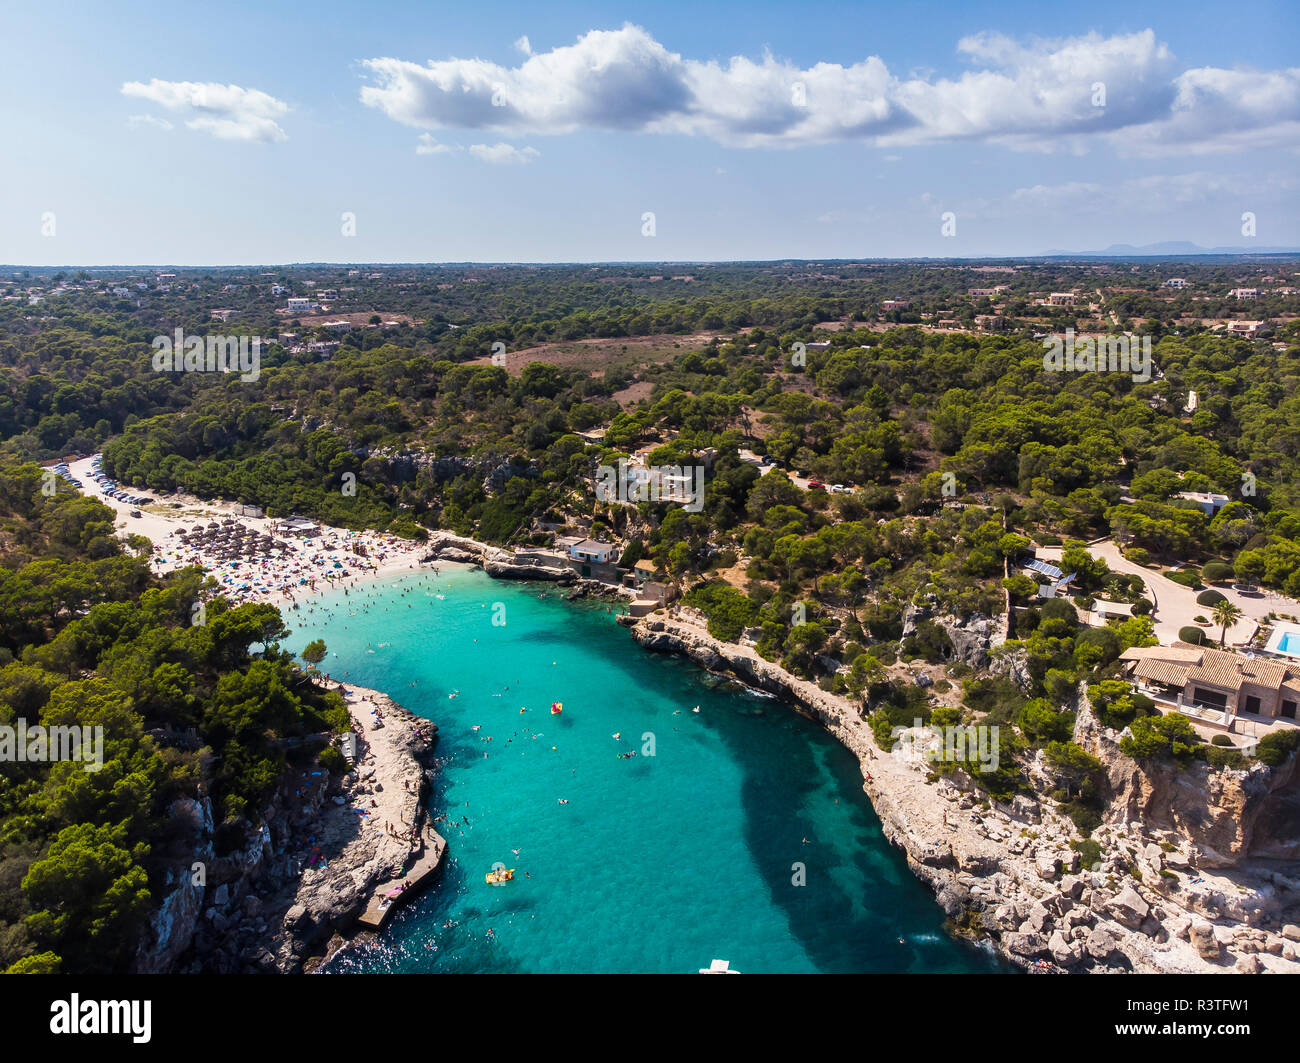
x: 214, y: 751
x: 1230, y: 816
x: 1142, y: 898
x: 295, y: 891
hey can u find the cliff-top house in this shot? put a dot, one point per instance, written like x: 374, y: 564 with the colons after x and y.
x: 1215, y: 687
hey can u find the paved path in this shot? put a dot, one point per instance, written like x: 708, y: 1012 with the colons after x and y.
x: 1176, y: 605
x: 381, y: 906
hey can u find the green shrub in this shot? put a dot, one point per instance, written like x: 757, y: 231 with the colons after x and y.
x: 1217, y: 572
x: 729, y: 611
x: 883, y: 652
x: 1194, y: 635
x: 1117, y: 704
x: 333, y: 761
x: 1275, y: 747
x: 1219, y: 757
x: 1210, y: 598
x: 1089, y: 852
x: 1085, y: 818
x: 1187, y: 578
x: 1220, y: 740
x: 1143, y: 607
x: 1042, y: 722
x: 945, y: 716
x: 1152, y: 737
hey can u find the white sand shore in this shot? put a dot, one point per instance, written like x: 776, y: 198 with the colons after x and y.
x: 250, y: 557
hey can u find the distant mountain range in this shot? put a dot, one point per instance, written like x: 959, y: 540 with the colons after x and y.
x: 1169, y: 248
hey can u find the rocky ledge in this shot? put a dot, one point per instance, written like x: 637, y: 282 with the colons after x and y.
x: 497, y: 563
x: 503, y: 564
x: 326, y: 845
x: 1009, y: 875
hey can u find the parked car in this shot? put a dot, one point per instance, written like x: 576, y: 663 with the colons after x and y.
x: 814, y: 485
x: 135, y: 513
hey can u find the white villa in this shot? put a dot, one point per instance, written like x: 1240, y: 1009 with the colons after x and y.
x: 1209, y: 502
x: 592, y: 552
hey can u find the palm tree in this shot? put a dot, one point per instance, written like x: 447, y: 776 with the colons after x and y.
x: 1225, y: 615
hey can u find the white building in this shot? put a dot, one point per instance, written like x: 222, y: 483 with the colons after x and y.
x: 1176, y: 282
x: 592, y: 552
x: 300, y: 305
x: 1209, y: 502
x: 1103, y: 611
x: 1247, y: 328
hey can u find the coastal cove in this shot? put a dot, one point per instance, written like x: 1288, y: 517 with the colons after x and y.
x: 656, y: 863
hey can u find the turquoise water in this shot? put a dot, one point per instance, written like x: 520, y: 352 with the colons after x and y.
x: 1290, y: 643
x: 658, y: 863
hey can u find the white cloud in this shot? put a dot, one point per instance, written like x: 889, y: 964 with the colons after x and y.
x: 524, y: 45
x: 149, y: 120
x: 1038, y: 95
x: 429, y: 146
x: 226, y: 111
x: 500, y: 154
x: 1152, y: 194
x: 503, y: 153
x: 1216, y: 110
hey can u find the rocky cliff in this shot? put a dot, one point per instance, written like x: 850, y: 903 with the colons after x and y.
x: 323, y: 847
x: 1009, y: 873
x: 497, y: 563
x: 1230, y: 817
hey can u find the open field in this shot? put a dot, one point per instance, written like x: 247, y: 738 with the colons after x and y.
x: 597, y: 356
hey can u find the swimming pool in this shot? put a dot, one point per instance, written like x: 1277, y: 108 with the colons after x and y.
x: 1285, y: 640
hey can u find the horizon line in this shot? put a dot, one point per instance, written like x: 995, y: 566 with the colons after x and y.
x: 355, y: 264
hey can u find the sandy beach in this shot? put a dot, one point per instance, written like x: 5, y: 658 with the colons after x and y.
x: 334, y: 845
x: 252, y: 558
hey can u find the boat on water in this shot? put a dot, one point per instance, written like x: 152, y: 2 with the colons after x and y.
x: 498, y: 876
x: 718, y: 967
x: 556, y: 708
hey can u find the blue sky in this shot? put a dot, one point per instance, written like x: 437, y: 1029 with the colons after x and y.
x: 241, y: 133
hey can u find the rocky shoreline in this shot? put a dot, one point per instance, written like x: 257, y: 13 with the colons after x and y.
x: 1162, y: 898
x: 502, y: 564
x: 1176, y: 890
x: 291, y: 897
